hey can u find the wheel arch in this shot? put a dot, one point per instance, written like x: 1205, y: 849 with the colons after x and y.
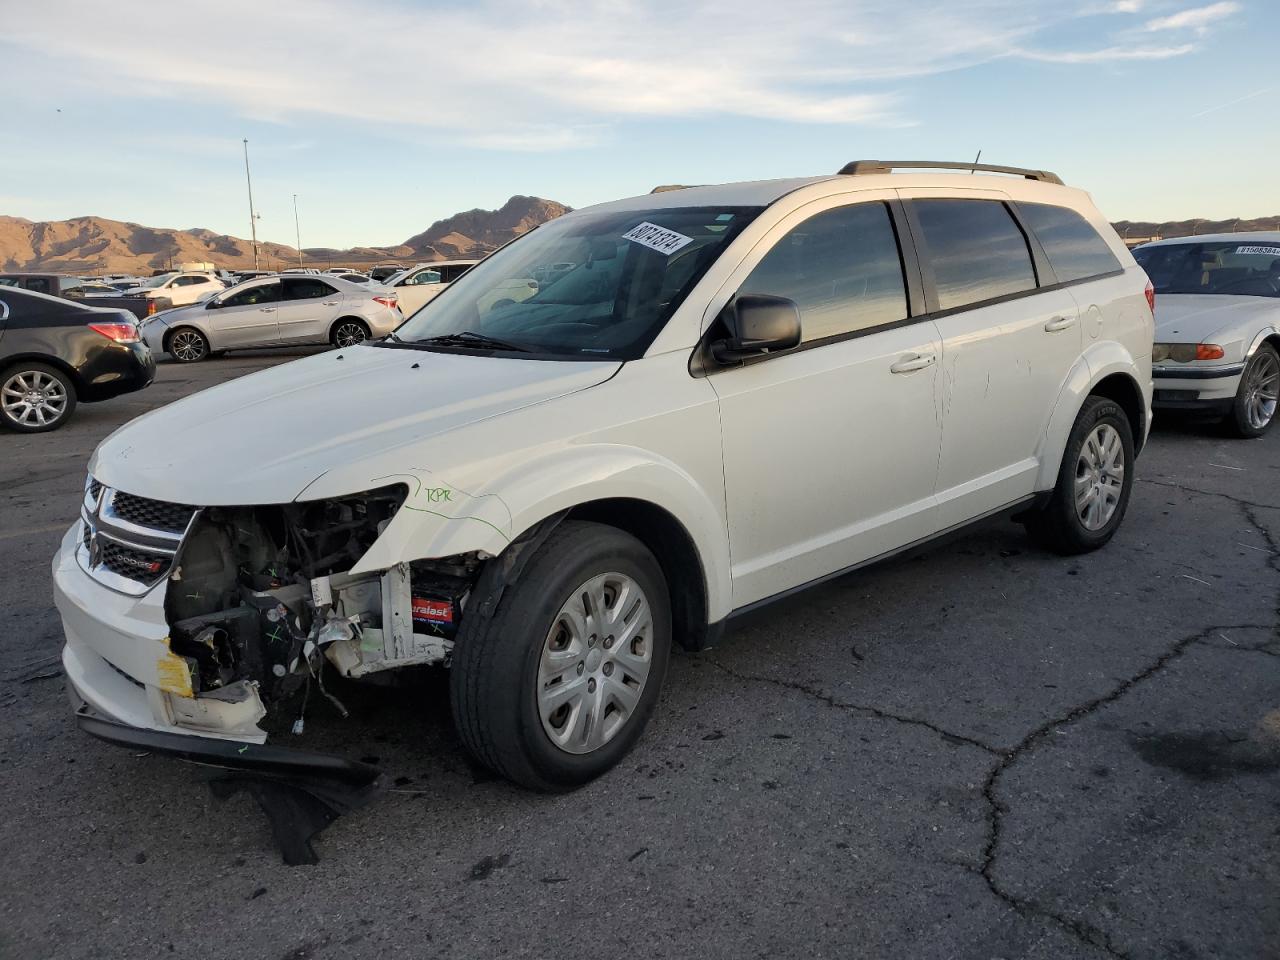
x: 1109, y: 371
x: 57, y: 363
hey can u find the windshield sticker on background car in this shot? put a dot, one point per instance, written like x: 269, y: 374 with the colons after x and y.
x: 657, y: 238
x: 1263, y: 251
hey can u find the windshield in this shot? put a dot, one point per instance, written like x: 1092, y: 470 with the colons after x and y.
x: 587, y: 285
x: 159, y: 281
x: 1246, y: 269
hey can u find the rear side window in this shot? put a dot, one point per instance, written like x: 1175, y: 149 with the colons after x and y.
x: 306, y: 289
x: 841, y: 267
x: 976, y: 249
x: 1074, y: 249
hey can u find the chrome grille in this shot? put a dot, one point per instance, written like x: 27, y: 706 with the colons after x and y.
x: 129, y: 542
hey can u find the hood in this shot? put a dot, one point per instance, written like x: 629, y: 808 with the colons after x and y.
x: 265, y: 437
x: 1196, y: 318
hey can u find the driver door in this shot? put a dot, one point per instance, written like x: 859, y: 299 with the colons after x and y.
x: 417, y: 289
x: 246, y: 317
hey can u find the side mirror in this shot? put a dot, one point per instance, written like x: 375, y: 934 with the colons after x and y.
x: 212, y: 304
x: 758, y: 324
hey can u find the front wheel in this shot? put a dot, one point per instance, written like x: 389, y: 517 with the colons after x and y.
x: 1254, y: 407
x: 1094, y: 482
x: 35, y: 397
x: 188, y: 345
x: 558, y: 684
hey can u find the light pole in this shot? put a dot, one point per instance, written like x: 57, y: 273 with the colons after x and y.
x: 253, y: 218
x: 297, y: 230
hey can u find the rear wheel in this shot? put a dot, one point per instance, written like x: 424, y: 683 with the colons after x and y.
x: 348, y: 331
x: 188, y: 345
x: 1254, y: 408
x: 1094, y: 482
x: 556, y: 687
x: 35, y: 397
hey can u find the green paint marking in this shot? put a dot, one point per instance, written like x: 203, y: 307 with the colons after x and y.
x: 476, y: 519
x: 275, y: 633
x: 243, y: 749
x: 438, y: 494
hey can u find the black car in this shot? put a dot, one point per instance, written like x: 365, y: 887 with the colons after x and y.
x: 55, y: 353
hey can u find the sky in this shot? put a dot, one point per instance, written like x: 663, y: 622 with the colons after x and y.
x: 385, y: 115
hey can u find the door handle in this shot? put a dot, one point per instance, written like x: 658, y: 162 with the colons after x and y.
x: 331, y: 303
x: 266, y: 309
x: 1059, y: 323
x: 915, y: 362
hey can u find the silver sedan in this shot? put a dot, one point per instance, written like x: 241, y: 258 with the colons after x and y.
x: 275, y: 311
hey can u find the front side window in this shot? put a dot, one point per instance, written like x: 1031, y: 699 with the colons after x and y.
x: 628, y: 273
x: 261, y: 293
x: 1074, y: 248
x: 426, y: 276
x: 306, y: 289
x: 841, y: 267
x: 976, y: 249
x: 1242, y: 268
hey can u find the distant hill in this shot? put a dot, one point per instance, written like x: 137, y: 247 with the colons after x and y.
x: 96, y: 244
x: 1133, y: 229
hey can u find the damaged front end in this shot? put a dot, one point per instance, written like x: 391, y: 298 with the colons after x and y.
x: 259, y: 602
x: 259, y: 598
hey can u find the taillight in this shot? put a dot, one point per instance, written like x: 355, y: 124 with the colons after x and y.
x: 151, y: 308
x: 1151, y: 296
x: 119, y: 332
x: 389, y: 301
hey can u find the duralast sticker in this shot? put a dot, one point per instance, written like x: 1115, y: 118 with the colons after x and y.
x: 432, y: 611
x: 657, y: 238
x: 1260, y: 250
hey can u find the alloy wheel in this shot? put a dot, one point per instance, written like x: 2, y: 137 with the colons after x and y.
x: 1099, y: 477
x: 187, y: 345
x: 349, y: 334
x: 33, y: 398
x: 1261, y: 389
x: 594, y: 663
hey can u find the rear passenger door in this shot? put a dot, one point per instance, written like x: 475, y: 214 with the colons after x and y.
x: 308, y: 308
x: 1007, y: 346
x: 830, y: 449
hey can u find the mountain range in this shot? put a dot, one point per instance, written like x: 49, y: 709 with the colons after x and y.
x: 99, y: 245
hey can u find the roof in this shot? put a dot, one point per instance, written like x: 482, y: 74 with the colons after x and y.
x: 1270, y: 236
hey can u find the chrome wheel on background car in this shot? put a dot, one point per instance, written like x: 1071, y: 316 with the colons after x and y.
x: 187, y: 345
x: 1255, y: 403
x: 349, y: 332
x: 595, y: 662
x: 35, y: 398
x: 1099, y: 477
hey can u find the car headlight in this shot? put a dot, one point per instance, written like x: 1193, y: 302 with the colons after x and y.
x: 1185, y: 352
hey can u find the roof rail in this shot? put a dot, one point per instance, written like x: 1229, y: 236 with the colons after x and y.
x: 863, y: 167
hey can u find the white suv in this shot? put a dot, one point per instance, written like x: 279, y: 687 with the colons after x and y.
x: 179, y: 288
x: 732, y: 392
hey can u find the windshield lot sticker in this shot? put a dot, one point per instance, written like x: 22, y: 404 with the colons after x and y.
x: 1264, y: 251
x: 657, y: 238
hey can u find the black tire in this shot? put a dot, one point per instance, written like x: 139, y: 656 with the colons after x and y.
x: 187, y: 345
x: 1254, y: 408
x: 1058, y: 525
x: 38, y: 378
x: 494, y: 679
x: 344, y: 330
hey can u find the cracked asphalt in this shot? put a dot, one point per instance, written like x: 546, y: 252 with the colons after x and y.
x: 978, y: 750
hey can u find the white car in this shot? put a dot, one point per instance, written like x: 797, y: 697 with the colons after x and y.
x: 1217, y: 326
x: 735, y: 392
x: 422, y: 283
x: 275, y: 311
x: 178, y: 288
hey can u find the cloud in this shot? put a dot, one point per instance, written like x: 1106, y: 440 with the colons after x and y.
x: 543, y: 75
x: 1196, y: 18
x: 1107, y: 54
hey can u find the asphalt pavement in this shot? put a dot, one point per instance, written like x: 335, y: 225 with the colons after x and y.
x: 978, y: 750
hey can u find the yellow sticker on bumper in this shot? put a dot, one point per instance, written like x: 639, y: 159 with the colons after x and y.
x: 175, y: 675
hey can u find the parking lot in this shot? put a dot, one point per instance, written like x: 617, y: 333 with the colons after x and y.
x: 978, y: 750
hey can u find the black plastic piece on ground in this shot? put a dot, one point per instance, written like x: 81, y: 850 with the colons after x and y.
x: 296, y: 809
